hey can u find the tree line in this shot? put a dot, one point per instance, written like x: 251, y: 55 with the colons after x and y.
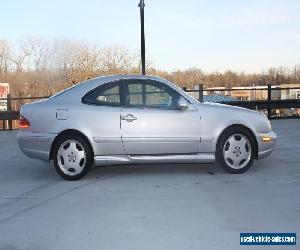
x: 38, y: 67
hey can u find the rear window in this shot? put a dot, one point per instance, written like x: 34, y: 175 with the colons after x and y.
x: 107, y: 95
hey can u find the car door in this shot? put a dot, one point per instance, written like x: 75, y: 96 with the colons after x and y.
x: 102, y: 114
x: 151, y: 123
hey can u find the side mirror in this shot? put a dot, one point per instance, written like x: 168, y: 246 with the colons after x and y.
x: 182, y: 104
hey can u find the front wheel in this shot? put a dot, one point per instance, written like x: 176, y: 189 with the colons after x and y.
x: 235, y: 150
x: 73, y: 157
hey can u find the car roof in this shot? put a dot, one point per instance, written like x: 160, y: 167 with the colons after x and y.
x: 104, y: 79
x: 82, y: 88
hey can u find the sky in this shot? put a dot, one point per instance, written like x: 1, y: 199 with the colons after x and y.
x: 213, y: 35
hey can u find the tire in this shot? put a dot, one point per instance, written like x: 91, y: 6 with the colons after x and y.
x: 235, y: 150
x: 73, y: 157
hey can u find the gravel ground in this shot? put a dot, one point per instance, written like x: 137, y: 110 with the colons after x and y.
x: 145, y: 207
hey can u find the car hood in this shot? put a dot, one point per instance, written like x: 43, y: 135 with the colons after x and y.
x: 229, y: 107
x: 231, y: 114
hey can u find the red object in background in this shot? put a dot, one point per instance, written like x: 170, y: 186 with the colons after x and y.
x: 4, y: 89
x: 23, y: 122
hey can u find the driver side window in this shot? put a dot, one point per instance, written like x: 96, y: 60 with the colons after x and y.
x: 151, y: 94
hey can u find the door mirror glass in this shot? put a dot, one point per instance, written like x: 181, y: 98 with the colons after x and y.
x: 182, y: 104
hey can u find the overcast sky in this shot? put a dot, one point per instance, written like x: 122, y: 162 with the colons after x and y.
x: 213, y: 35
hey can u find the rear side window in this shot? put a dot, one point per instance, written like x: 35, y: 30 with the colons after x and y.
x: 108, y: 95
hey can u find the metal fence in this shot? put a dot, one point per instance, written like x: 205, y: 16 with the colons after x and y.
x: 12, y: 114
x: 268, y: 104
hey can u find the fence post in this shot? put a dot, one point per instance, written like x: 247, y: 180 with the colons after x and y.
x: 269, y: 99
x: 9, y: 109
x: 200, y: 92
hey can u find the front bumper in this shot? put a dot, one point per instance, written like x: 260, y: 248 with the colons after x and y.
x: 265, y: 148
x: 35, y: 145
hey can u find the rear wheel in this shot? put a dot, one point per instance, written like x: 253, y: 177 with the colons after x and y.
x: 73, y: 157
x: 235, y: 150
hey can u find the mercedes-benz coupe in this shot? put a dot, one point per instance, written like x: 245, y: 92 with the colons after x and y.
x: 135, y: 119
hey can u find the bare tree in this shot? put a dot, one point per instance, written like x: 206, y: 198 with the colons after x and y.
x: 118, y: 60
x: 37, y: 53
x: 42, y: 67
x: 5, y: 61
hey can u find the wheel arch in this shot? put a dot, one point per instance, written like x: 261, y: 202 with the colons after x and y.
x: 68, y: 132
x: 238, y: 125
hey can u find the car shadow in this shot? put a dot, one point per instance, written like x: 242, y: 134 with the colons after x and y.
x: 156, y: 169
x: 45, y: 171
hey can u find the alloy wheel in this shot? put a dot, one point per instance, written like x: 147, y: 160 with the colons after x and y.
x: 237, y: 151
x: 71, y: 157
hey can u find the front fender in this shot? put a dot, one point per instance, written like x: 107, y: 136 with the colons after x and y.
x: 215, y: 119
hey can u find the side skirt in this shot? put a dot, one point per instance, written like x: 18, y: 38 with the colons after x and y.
x: 141, y: 159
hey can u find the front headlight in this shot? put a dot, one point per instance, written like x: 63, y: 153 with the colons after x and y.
x: 270, y: 127
x: 267, y: 123
x: 263, y: 124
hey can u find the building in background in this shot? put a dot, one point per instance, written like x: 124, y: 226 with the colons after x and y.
x: 4, y: 90
x: 290, y: 93
x: 253, y: 93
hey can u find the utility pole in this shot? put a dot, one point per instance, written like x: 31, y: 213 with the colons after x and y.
x: 142, y: 6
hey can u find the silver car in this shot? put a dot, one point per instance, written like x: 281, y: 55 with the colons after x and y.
x: 133, y: 119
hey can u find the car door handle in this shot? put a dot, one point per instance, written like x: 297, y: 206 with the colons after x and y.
x: 128, y: 118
